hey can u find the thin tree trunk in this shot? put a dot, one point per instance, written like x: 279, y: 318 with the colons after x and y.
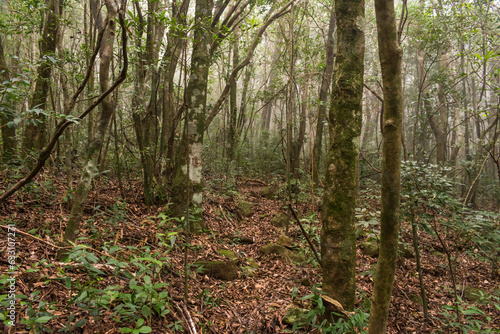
x: 89, y: 170
x: 390, y: 54
x: 323, y: 96
x: 233, y: 106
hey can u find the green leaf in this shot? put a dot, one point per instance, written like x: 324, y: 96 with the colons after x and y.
x: 126, y: 330
x: 146, y: 311
x: 44, y: 319
x: 145, y: 329
x: 68, y: 282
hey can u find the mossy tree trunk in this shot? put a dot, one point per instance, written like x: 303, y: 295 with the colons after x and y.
x: 338, y: 240
x: 90, y: 170
x: 35, y: 135
x: 187, y: 183
x: 233, y: 109
x: 390, y: 54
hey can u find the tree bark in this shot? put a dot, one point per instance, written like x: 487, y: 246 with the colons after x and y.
x: 187, y: 183
x: 390, y: 54
x: 338, y: 240
x: 233, y: 106
x: 323, y: 96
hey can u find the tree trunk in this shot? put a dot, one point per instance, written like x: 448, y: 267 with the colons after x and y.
x: 187, y: 183
x: 390, y: 54
x: 338, y: 240
x: 170, y: 118
x: 107, y: 109
x: 144, y: 114
x: 323, y: 96
x: 233, y: 106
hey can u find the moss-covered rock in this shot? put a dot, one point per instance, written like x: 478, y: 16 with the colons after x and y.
x: 226, y: 271
x: 281, y: 220
x: 283, y: 240
x: 227, y: 253
x: 370, y: 248
x: 242, y: 239
x: 269, y: 192
x: 283, y: 252
x: 245, y: 208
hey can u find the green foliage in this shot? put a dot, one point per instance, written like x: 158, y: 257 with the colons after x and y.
x: 474, y: 320
x: 355, y: 323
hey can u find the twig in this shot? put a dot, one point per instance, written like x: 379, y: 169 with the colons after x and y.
x: 368, y: 162
x: 186, y: 311
x: 305, y: 235
x: 29, y: 235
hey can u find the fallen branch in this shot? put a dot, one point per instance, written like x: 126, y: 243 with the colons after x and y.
x: 305, y: 235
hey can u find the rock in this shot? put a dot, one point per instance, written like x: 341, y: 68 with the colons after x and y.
x: 474, y: 294
x: 283, y: 252
x: 227, y: 253
x: 370, y: 248
x: 243, y: 240
x: 406, y: 250
x: 295, y: 315
x: 245, y: 208
x: 281, y: 220
x: 226, y: 271
x: 269, y: 192
x: 283, y: 240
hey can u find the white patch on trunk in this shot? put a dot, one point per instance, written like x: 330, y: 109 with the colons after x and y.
x: 195, y: 163
x: 197, y: 199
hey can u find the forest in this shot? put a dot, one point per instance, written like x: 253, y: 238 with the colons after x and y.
x: 250, y: 166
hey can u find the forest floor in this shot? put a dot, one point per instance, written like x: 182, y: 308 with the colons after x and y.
x: 251, y: 303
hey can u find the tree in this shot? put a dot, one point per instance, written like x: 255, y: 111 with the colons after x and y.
x: 89, y: 170
x: 338, y: 240
x: 390, y: 54
x: 323, y: 95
